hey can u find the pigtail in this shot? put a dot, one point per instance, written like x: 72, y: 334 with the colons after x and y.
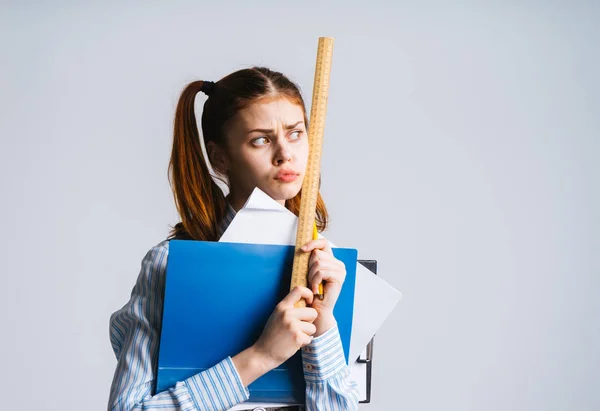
x: 199, y: 200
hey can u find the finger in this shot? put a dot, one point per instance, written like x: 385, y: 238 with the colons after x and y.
x: 321, y: 243
x: 296, y: 295
x: 304, y: 340
x: 316, y: 255
x: 316, y: 277
x: 323, y: 257
x: 335, y: 267
x: 308, y: 328
x: 327, y: 271
x: 327, y: 277
x: 314, y: 283
x: 304, y: 314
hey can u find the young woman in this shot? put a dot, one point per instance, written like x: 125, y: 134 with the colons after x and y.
x: 254, y: 126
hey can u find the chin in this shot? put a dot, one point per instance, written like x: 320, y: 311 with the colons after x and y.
x: 285, y: 192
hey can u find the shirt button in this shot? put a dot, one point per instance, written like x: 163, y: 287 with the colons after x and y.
x: 309, y: 367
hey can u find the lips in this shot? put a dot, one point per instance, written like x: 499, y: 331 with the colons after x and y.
x: 287, y: 174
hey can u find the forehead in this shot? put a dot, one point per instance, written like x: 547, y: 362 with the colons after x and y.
x: 269, y: 113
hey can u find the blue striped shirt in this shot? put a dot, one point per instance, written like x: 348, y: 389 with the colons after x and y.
x: 135, y: 334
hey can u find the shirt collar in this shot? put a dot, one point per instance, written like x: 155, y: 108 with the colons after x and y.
x: 229, y: 215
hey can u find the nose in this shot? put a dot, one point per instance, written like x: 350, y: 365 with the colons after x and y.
x: 282, y: 155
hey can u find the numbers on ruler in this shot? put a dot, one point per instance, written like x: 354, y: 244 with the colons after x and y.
x: 310, y: 189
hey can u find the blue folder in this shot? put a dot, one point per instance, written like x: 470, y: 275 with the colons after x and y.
x: 219, y: 296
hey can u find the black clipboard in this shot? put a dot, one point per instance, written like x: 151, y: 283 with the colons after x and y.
x: 371, y: 265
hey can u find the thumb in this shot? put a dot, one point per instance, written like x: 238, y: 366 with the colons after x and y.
x: 297, y: 294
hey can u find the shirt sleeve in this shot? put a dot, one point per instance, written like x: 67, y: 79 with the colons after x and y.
x: 328, y: 382
x: 134, y: 336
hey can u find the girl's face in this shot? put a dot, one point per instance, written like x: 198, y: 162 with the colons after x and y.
x: 267, y: 147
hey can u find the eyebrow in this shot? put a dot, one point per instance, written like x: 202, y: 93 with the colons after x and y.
x: 269, y: 130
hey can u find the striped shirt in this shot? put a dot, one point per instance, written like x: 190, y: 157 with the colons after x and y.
x: 135, y: 334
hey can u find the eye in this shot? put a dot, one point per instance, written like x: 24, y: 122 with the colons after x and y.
x: 260, y: 141
x: 298, y: 134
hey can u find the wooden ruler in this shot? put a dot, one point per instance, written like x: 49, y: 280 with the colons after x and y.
x: 310, y: 185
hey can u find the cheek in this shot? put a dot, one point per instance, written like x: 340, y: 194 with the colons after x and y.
x: 252, y: 167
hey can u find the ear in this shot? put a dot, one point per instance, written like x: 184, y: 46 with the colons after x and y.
x: 219, y: 160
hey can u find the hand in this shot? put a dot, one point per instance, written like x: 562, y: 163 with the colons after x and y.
x: 288, y: 329
x: 323, y: 266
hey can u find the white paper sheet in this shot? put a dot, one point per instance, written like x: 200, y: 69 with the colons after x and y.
x: 263, y: 220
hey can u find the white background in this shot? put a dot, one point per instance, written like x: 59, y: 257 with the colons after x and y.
x: 461, y: 152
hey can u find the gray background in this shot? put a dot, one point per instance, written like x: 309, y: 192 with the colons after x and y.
x: 461, y: 152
